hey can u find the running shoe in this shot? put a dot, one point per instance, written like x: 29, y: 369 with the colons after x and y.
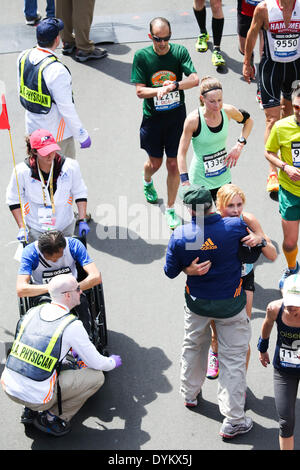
x: 273, y: 183
x: 150, y: 192
x: 57, y: 427
x: 97, y: 53
x: 201, y: 43
x: 33, y: 21
x: 28, y: 415
x: 213, y: 365
x: 217, y: 58
x: 258, y: 99
x: 172, y: 218
x: 287, y: 272
x: 68, y: 48
x: 228, y: 430
x: 190, y: 403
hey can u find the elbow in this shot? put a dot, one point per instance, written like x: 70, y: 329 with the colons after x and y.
x: 196, y: 80
x: 21, y: 292
x: 139, y: 94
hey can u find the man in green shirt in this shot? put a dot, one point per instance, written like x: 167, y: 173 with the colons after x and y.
x: 157, y: 72
x: 285, y: 139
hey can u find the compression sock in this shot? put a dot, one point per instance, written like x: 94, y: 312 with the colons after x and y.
x: 201, y: 19
x: 217, y: 30
x: 291, y: 257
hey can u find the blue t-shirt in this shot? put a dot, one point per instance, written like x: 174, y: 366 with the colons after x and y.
x: 217, y: 241
x: 34, y: 264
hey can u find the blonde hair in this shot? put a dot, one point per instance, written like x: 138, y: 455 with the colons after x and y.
x: 226, y: 193
x: 208, y: 83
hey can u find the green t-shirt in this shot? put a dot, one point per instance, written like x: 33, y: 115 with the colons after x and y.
x: 152, y: 70
x: 285, y: 136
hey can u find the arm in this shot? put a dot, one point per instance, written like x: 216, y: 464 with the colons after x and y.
x: 259, y: 20
x: 144, y: 92
x: 257, y: 234
x: 81, y: 206
x: 93, y: 277
x: 292, y: 172
x: 59, y: 83
x: 25, y: 289
x: 270, y: 318
x: 235, y: 152
x: 190, y: 126
x: 17, y: 214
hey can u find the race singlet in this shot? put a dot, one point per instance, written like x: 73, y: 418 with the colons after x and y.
x: 283, y: 40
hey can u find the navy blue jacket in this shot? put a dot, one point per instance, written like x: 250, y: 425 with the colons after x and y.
x: 217, y: 241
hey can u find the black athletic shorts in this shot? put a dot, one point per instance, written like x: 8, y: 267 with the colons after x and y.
x: 276, y: 79
x: 243, y: 24
x: 161, y: 132
x: 248, y: 281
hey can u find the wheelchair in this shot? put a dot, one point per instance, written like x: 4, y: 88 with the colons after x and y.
x: 96, y: 303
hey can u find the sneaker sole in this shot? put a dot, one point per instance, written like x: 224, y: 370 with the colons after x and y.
x: 49, y: 431
x: 84, y: 59
x: 212, y: 377
x: 231, y: 436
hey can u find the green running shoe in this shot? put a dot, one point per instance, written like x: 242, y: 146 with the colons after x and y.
x: 201, y: 43
x: 150, y: 192
x: 217, y: 58
x: 172, y: 218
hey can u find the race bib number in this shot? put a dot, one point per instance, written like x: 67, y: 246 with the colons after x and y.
x: 48, y: 275
x: 289, y: 357
x: 169, y: 101
x: 285, y: 45
x: 214, y: 164
x: 295, y: 148
x: 46, y: 219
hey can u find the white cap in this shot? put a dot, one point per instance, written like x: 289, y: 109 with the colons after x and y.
x: 291, y: 291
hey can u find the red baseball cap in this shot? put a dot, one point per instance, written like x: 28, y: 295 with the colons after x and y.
x: 44, y: 142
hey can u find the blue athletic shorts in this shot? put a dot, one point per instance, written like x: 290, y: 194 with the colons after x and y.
x: 161, y: 133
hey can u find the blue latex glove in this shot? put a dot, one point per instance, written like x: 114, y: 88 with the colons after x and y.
x: 21, y: 234
x: 117, y: 360
x: 83, y: 226
x: 86, y: 143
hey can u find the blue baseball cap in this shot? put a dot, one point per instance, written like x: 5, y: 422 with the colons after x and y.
x: 48, y: 29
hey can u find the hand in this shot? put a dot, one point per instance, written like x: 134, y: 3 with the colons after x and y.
x: 164, y: 90
x: 117, y: 360
x: 186, y: 183
x: 252, y: 239
x: 197, y: 269
x: 22, y: 234
x: 83, y: 227
x: 264, y: 359
x: 233, y: 156
x: 247, y: 72
x: 292, y: 172
x: 86, y: 143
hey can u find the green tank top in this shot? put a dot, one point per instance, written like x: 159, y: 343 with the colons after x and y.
x: 207, y: 167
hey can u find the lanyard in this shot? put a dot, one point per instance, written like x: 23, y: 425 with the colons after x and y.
x: 45, y: 187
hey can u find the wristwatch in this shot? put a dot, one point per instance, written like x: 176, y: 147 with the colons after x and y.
x: 176, y: 86
x: 263, y: 242
x: 242, y: 140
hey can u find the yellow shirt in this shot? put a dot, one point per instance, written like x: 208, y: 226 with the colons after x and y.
x: 285, y: 136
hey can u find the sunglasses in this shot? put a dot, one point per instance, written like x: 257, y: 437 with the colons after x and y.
x: 296, y: 107
x: 78, y: 289
x: 158, y: 39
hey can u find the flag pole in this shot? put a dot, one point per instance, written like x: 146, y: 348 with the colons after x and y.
x: 4, y: 124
